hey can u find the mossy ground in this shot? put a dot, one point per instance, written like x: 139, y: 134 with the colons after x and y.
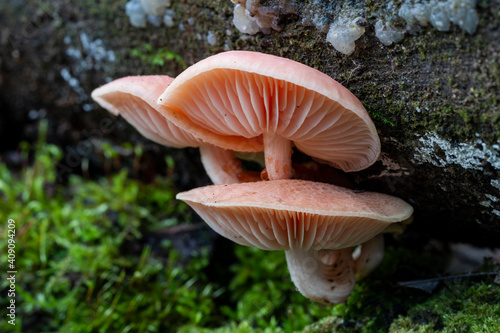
x: 92, y: 255
x: 88, y: 258
x: 456, y: 305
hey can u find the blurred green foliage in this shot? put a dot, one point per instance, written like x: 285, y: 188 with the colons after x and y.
x: 157, y: 57
x: 81, y: 264
x: 85, y: 265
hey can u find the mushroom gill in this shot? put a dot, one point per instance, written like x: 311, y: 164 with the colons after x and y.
x: 316, y: 224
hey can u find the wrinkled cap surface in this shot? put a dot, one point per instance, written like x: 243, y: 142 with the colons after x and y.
x: 134, y: 98
x: 288, y: 214
x: 241, y: 95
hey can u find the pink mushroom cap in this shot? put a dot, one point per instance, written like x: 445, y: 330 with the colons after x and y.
x: 295, y: 214
x: 134, y: 98
x: 234, y: 98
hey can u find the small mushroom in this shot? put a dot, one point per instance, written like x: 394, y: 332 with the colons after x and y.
x: 134, y: 98
x: 316, y: 224
x: 239, y: 98
x: 368, y: 256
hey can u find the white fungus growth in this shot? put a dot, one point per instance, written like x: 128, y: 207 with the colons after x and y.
x: 495, y: 183
x: 87, y: 55
x: 336, y: 18
x: 485, y: 203
x: 440, y: 152
x: 415, y: 13
x: 439, y: 19
x: 317, y: 20
x: 251, y: 17
x: 96, y: 56
x: 244, y: 22
x: 155, y: 7
x: 344, y: 32
x: 320, y: 14
x: 136, y: 13
x: 155, y: 20
x: 211, y: 38
x: 387, y: 33
x: 491, y: 197
x: 440, y: 14
x: 153, y: 11
x: 168, y: 19
x: 74, y: 84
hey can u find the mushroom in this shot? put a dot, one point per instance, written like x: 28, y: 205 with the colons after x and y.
x: 316, y: 224
x: 134, y: 98
x: 237, y: 98
x: 368, y: 256
x: 251, y: 102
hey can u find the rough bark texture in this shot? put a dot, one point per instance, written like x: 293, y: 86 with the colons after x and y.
x: 434, y: 96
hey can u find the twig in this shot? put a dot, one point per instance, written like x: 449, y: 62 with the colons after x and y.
x: 451, y: 277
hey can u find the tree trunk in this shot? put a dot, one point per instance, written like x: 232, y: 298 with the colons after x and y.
x: 434, y: 96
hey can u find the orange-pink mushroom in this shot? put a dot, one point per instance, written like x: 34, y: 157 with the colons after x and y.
x: 252, y: 102
x: 134, y: 98
x: 238, y: 98
x: 316, y: 224
x: 368, y: 256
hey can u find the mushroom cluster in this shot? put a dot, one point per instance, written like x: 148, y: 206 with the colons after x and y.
x: 251, y: 102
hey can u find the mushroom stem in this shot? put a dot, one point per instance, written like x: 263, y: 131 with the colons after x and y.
x: 223, y: 167
x: 324, y: 276
x: 368, y: 256
x: 278, y: 156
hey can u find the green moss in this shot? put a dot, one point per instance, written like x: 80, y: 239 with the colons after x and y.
x: 82, y: 263
x: 464, y: 114
x: 156, y: 57
x: 459, y: 307
x: 380, y: 116
x: 381, y: 304
x: 87, y: 267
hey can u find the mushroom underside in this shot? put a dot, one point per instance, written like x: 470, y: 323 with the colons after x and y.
x: 135, y: 99
x: 283, y: 230
x: 253, y: 102
x: 324, y: 276
x: 316, y: 224
x: 231, y: 103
